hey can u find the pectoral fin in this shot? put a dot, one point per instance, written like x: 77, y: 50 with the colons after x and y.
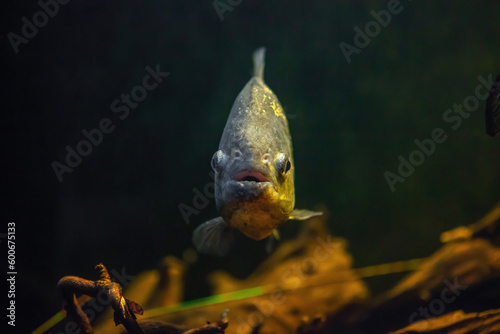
x: 300, y: 214
x: 213, y: 237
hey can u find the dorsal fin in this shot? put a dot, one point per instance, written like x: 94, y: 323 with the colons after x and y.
x: 259, y: 62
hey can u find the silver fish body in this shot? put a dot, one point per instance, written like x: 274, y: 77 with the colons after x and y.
x: 254, y: 169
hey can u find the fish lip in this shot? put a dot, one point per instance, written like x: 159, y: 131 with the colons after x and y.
x: 253, y: 174
x: 245, y: 189
x: 238, y: 188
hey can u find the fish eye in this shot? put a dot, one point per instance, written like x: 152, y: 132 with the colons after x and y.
x: 283, y: 164
x: 216, y: 161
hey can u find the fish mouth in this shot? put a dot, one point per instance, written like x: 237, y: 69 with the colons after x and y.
x: 246, y: 185
x: 250, y: 176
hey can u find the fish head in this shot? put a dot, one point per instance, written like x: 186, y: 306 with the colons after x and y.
x: 254, y: 188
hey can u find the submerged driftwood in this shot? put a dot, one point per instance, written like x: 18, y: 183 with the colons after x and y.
x: 308, y: 286
x: 487, y: 322
x: 301, y: 282
x: 124, y: 309
x: 456, y: 290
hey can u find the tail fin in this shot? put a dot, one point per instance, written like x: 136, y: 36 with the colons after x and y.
x: 259, y: 62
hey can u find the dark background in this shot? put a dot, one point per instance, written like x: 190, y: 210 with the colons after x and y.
x: 350, y: 123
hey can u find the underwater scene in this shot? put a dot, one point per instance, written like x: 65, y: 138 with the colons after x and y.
x: 237, y: 166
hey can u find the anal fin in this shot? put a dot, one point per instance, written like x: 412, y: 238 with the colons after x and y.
x: 270, y: 241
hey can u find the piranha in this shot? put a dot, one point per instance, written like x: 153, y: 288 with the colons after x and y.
x: 254, y: 170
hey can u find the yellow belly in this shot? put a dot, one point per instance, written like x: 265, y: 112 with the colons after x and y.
x: 255, y: 217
